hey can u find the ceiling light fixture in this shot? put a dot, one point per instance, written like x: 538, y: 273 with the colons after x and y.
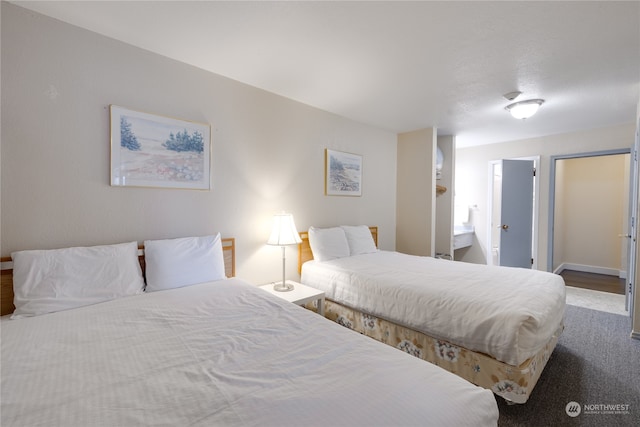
x: 524, y: 109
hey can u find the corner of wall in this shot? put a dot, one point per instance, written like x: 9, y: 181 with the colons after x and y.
x: 415, y: 207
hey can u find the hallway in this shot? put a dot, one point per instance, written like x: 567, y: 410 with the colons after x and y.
x: 593, y: 281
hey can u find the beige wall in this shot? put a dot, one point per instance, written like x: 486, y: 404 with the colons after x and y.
x: 416, y: 200
x: 590, y: 196
x: 268, y: 151
x: 472, y: 176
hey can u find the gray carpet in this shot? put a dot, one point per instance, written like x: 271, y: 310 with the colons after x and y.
x: 595, y: 364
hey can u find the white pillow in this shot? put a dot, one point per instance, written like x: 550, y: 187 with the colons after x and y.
x: 174, y: 263
x: 46, y: 281
x: 328, y: 243
x: 360, y: 239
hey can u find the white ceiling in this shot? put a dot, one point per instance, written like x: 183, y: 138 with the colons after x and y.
x: 403, y: 66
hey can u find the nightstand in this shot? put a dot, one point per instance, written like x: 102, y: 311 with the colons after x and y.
x: 301, y: 294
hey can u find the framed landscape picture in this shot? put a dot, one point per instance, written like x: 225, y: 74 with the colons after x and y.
x: 343, y: 173
x: 148, y: 150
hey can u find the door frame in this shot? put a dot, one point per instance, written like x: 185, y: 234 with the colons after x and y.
x: 536, y: 204
x: 552, y: 192
x: 632, y: 232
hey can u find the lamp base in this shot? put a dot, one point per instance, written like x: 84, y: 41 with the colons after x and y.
x: 282, y: 287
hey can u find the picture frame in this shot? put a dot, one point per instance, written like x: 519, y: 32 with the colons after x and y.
x: 149, y: 150
x: 343, y: 173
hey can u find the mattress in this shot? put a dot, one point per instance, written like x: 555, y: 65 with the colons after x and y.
x: 221, y: 353
x: 507, y: 313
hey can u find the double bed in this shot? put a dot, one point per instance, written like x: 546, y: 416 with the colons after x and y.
x: 191, y: 346
x: 494, y: 326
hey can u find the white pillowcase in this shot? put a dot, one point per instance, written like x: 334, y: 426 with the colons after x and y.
x: 360, y: 239
x: 328, y: 243
x: 174, y: 263
x: 46, y: 281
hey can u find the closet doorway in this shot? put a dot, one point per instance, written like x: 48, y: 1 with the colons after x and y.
x: 589, y: 219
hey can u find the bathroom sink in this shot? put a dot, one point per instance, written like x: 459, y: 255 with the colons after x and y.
x: 463, y: 236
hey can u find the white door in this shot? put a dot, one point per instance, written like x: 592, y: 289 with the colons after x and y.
x: 633, y: 219
x: 516, y: 213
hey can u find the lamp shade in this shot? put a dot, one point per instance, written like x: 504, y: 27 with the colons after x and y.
x: 524, y: 109
x: 284, y: 231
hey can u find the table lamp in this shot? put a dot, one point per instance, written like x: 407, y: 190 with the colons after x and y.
x: 283, y: 233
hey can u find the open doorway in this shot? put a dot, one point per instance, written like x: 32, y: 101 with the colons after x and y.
x: 589, y: 216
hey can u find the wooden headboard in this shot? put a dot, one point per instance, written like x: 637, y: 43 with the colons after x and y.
x: 304, y: 249
x: 6, y: 274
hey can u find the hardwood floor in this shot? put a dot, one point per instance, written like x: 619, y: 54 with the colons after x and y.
x: 593, y: 281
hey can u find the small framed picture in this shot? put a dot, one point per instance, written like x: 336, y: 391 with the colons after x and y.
x: 148, y: 150
x: 343, y: 173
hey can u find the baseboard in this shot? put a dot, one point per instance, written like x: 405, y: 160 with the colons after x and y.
x: 589, y: 269
x: 635, y: 335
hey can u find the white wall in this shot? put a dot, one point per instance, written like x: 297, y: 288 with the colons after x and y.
x: 444, y: 202
x: 472, y: 176
x: 268, y: 151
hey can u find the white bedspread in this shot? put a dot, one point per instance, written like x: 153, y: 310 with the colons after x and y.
x: 218, y: 354
x: 508, y: 313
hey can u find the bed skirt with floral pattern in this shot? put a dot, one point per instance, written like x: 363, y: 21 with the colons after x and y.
x: 513, y: 383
